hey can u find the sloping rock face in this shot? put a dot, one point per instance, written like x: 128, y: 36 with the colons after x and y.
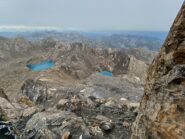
x: 162, y: 109
x: 137, y: 69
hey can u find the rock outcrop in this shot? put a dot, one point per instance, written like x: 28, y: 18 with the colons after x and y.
x: 80, y: 61
x: 35, y: 90
x: 162, y: 109
x: 137, y: 69
x: 88, y: 111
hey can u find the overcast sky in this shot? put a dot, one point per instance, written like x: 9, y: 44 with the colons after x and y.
x: 91, y: 14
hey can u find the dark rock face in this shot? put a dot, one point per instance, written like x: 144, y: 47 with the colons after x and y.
x: 6, y: 131
x: 162, y: 109
x: 2, y: 94
x: 35, y: 91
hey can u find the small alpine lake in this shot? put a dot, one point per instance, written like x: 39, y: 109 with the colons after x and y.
x: 106, y: 73
x: 43, y: 65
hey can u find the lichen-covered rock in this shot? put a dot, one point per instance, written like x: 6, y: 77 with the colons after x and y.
x: 162, y: 109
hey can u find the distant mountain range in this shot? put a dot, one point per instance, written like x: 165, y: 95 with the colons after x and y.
x: 104, y: 39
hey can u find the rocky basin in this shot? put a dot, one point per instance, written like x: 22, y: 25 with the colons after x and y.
x: 71, y: 100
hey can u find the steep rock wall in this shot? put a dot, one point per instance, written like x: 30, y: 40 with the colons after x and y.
x: 162, y: 109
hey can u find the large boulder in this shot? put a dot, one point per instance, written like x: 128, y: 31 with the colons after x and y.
x: 36, y: 91
x: 162, y: 109
x: 55, y: 125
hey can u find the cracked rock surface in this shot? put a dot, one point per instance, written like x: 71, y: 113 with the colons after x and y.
x: 162, y: 109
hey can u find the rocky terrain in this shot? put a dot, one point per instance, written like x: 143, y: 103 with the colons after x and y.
x: 71, y: 99
x: 162, y: 109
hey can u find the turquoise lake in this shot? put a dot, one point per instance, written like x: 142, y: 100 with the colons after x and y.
x: 106, y: 73
x: 43, y: 65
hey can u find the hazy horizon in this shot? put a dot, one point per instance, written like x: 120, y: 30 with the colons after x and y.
x: 92, y: 15
x: 48, y: 28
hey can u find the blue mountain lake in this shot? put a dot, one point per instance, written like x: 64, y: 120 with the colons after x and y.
x: 43, y: 65
x: 106, y: 73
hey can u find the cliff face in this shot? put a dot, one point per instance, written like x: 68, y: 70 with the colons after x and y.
x: 162, y: 109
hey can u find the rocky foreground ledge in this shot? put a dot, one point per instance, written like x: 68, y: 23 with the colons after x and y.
x: 81, y: 111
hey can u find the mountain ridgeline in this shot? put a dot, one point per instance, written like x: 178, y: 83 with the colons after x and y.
x: 109, y: 39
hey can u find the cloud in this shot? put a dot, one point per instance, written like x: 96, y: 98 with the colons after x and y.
x: 23, y: 28
x: 90, y: 14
